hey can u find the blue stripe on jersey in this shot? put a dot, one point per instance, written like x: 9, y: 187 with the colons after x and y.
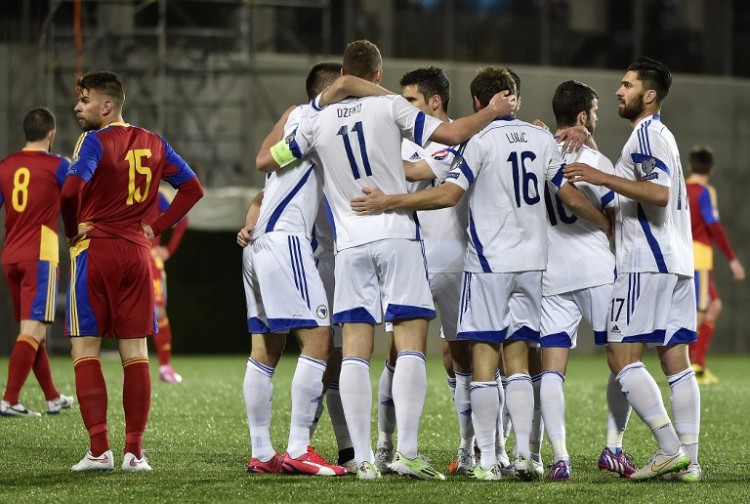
x: 298, y: 268
x: 396, y: 312
x: 184, y: 172
x: 163, y: 202
x: 419, y: 128
x: 294, y: 146
x: 302, y: 272
x: 640, y: 158
x: 607, y: 199
x: 282, y: 205
x: 478, y: 245
x: 557, y: 179
x: 651, y: 239
x: 466, y: 170
x: 39, y: 306
x: 62, y: 170
x: 87, y: 157
x: 85, y: 323
x: 600, y: 338
x: 314, y: 102
x: 418, y: 235
x: 314, y: 241
x: 465, y: 296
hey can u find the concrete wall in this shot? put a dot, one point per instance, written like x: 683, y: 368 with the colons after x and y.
x: 714, y: 111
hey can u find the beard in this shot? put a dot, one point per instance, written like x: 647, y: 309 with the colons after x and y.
x: 87, y: 125
x: 632, y: 110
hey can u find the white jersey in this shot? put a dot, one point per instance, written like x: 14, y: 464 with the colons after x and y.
x: 322, y: 240
x: 356, y: 143
x: 291, y: 195
x: 650, y: 238
x: 444, y: 230
x: 579, y: 253
x: 507, y: 165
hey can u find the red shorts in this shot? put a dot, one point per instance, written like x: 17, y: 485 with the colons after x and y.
x: 159, y: 276
x: 110, y: 292
x: 33, y: 287
x: 705, y: 289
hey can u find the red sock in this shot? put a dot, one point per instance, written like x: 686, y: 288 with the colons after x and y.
x: 163, y: 342
x: 43, y: 373
x: 136, y: 401
x: 699, y: 348
x: 19, y: 367
x: 91, y: 390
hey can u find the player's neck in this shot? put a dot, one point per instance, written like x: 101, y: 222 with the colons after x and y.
x: 39, y: 145
x: 698, y: 178
x: 647, y: 111
x: 114, y: 120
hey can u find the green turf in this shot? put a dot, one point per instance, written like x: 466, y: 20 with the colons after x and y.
x: 197, y: 443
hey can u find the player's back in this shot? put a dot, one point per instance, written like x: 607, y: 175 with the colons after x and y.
x: 507, y: 221
x: 30, y: 182
x: 123, y: 165
x: 357, y: 144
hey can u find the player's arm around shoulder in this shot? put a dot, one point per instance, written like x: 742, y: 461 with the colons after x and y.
x: 642, y: 190
x: 274, y: 152
x: 580, y: 205
x: 346, y: 86
x: 376, y: 202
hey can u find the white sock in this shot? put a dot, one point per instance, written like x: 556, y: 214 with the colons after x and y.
x: 503, y: 419
x: 519, y: 396
x: 356, y: 397
x: 257, y: 389
x: 552, y: 397
x: 409, y: 389
x: 386, y: 409
x: 485, y: 408
x: 318, y: 414
x: 618, y: 414
x: 307, y: 393
x: 338, y: 420
x: 462, y: 402
x: 686, y: 410
x: 507, y: 422
x: 537, y: 424
x: 451, y: 386
x: 644, y: 395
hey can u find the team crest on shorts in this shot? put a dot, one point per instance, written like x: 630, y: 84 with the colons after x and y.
x: 321, y: 311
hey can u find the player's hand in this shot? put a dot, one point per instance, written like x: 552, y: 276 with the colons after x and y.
x: 373, y: 203
x: 574, y: 138
x: 161, y: 252
x: 148, y: 231
x: 245, y: 236
x: 82, y: 230
x: 738, y: 271
x: 581, y: 172
x: 540, y: 123
x: 502, y: 104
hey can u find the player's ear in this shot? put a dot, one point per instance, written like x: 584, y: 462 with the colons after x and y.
x: 477, y: 104
x: 649, y: 96
x: 581, y: 119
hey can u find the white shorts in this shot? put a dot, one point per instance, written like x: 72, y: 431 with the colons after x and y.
x: 282, y: 286
x: 446, y: 292
x: 497, y: 307
x: 656, y: 308
x: 325, y: 265
x: 562, y: 313
x: 382, y: 280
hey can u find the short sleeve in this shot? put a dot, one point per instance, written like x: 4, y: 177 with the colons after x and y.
x: 466, y: 165
x: 652, y: 157
x: 415, y: 125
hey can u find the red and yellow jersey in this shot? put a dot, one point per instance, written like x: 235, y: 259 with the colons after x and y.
x: 122, y: 166
x: 707, y: 230
x: 30, y: 182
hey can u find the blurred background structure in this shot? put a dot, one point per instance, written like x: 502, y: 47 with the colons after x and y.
x: 213, y: 76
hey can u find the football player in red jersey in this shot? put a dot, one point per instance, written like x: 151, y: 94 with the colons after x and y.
x: 107, y: 196
x: 30, y: 182
x: 707, y: 230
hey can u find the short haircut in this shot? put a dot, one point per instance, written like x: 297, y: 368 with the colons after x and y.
x: 321, y: 76
x: 38, y: 123
x: 517, y: 80
x: 655, y: 76
x: 571, y: 98
x: 104, y: 82
x: 490, y: 81
x: 430, y: 81
x: 362, y: 59
x: 701, y: 159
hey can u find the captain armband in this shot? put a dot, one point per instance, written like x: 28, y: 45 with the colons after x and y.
x: 282, y: 154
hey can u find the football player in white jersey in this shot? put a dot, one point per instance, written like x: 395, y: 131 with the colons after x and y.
x: 444, y: 240
x: 653, y: 298
x: 580, y: 270
x: 504, y: 168
x: 284, y: 294
x: 356, y: 143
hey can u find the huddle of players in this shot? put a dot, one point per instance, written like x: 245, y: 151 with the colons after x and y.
x: 339, y: 156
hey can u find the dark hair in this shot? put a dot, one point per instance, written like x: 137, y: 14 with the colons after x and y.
x: 430, y: 81
x: 655, y: 76
x: 105, y: 82
x: 490, y: 81
x: 321, y: 76
x: 701, y: 159
x: 362, y: 59
x: 571, y: 98
x: 38, y: 123
x: 516, y: 79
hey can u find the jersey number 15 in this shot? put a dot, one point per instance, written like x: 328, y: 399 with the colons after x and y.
x: 135, y: 158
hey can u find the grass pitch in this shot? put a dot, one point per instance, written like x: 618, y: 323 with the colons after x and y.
x: 197, y: 443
